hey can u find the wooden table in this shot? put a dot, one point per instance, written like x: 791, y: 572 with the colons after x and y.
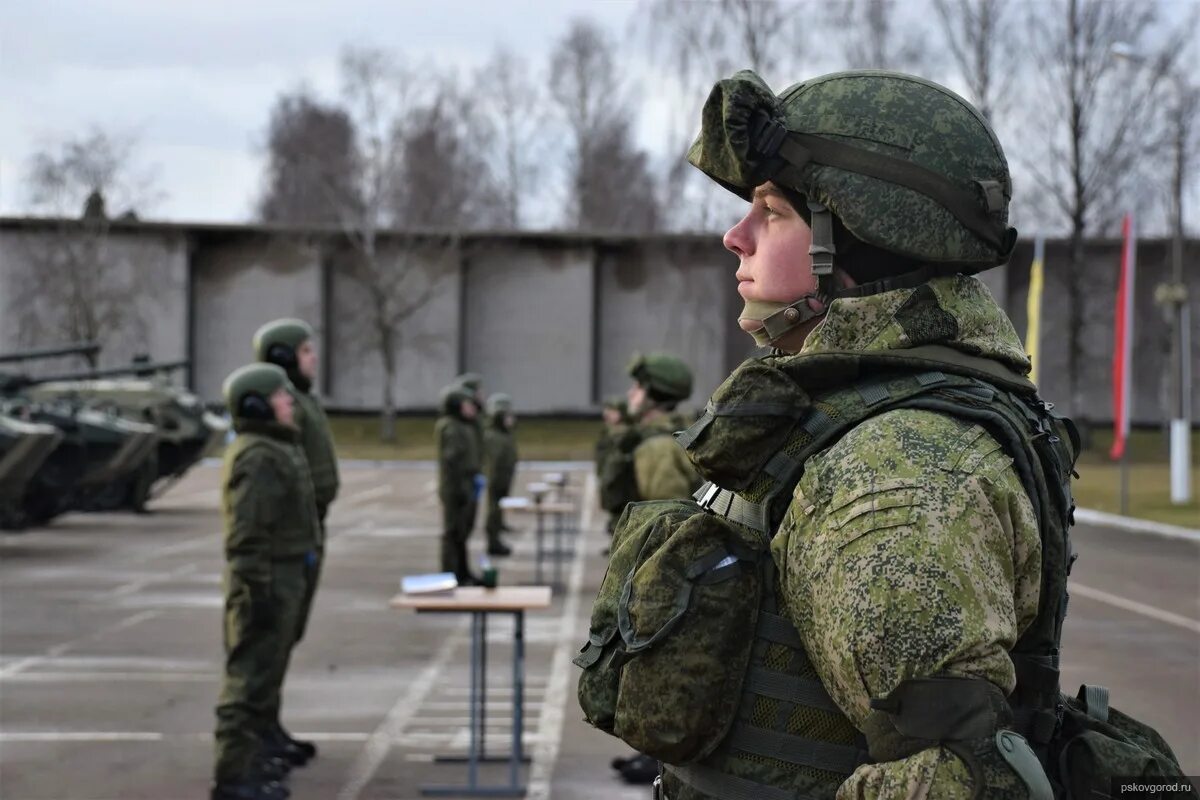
x: 479, y: 602
x: 541, y: 507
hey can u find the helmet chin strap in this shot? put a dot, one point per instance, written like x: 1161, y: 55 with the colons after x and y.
x: 779, y: 319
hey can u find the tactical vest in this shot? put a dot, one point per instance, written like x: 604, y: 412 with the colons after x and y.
x: 790, y: 741
x: 297, y: 529
x: 317, y: 441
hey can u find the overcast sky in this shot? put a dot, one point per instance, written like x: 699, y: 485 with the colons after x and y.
x: 195, y: 79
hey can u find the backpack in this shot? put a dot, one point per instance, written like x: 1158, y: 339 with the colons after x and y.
x: 681, y: 602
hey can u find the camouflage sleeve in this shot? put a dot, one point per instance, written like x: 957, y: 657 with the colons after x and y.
x: 257, y: 489
x: 662, y: 470
x: 910, y: 549
x: 453, y: 448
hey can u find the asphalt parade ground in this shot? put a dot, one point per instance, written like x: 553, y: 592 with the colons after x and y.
x: 110, y: 649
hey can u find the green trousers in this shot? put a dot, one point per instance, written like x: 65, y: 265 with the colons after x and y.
x: 259, y: 634
x: 458, y: 520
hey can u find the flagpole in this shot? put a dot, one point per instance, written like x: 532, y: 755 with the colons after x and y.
x: 1123, y: 357
x: 1033, y: 309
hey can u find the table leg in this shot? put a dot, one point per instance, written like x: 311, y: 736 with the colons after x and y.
x: 518, y: 730
x: 558, y: 550
x: 540, y: 532
x: 483, y: 688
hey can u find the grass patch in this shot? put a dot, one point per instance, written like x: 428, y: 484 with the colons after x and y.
x: 549, y: 439
x: 1099, y: 484
x: 541, y: 439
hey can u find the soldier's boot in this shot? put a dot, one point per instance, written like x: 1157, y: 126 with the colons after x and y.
x: 498, y: 548
x: 640, y: 769
x: 309, y: 749
x: 462, y: 571
x: 278, y: 743
x: 249, y: 790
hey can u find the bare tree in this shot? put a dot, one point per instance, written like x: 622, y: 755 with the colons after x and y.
x: 445, y: 175
x: 392, y: 121
x: 698, y: 43
x: 584, y: 84
x: 982, y: 45
x: 873, y: 37
x: 516, y: 109
x: 1099, y: 127
x: 312, y: 163
x: 72, y: 284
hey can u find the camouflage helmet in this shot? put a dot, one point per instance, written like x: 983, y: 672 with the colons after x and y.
x: 453, y: 397
x: 906, y: 165
x: 247, y: 390
x: 665, y: 376
x: 277, y: 341
x: 499, y: 403
x: 472, y: 380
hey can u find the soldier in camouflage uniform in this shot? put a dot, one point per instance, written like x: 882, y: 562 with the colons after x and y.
x: 660, y: 383
x: 910, y: 548
x: 661, y: 469
x: 289, y: 344
x: 500, y: 449
x: 271, y: 530
x: 460, y: 478
x: 617, y: 435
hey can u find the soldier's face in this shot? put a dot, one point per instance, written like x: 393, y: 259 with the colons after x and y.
x: 771, y: 243
x: 636, y: 397
x: 469, y: 409
x: 284, y: 406
x: 306, y: 359
x: 611, y: 416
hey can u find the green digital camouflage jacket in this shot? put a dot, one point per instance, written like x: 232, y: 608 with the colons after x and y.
x: 660, y: 465
x: 267, y: 499
x: 317, y: 440
x: 500, y: 448
x: 910, y: 548
x: 459, y: 458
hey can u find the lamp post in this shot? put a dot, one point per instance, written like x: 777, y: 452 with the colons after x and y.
x: 1173, y: 295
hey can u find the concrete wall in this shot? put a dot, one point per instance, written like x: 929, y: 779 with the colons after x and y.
x: 427, y: 353
x: 1152, y: 346
x: 238, y: 283
x: 141, y: 293
x: 550, y: 319
x: 672, y: 297
x: 527, y: 323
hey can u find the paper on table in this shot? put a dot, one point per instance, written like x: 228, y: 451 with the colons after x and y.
x: 429, y: 583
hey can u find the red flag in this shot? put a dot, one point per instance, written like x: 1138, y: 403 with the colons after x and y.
x: 1123, y: 342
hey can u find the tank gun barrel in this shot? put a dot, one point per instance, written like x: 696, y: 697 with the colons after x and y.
x: 139, y: 369
x: 75, y: 348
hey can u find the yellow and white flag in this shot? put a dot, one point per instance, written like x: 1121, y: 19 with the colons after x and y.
x: 1033, y: 308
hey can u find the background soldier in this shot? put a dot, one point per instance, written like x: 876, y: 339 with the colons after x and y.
x: 459, y: 479
x: 271, y: 528
x: 660, y: 383
x: 618, y: 435
x: 500, y: 448
x: 661, y: 469
x: 289, y: 344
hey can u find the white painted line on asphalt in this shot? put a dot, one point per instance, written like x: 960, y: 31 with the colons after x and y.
x: 379, y: 744
x: 1134, y: 525
x: 1178, y: 620
x: 111, y: 677
x: 133, y: 587
x: 370, y: 494
x: 59, y: 649
x: 207, y: 541
x: 155, y: 736
x: 550, y: 725
x: 80, y: 736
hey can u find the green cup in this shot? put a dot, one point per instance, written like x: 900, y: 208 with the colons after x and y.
x: 490, y: 577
